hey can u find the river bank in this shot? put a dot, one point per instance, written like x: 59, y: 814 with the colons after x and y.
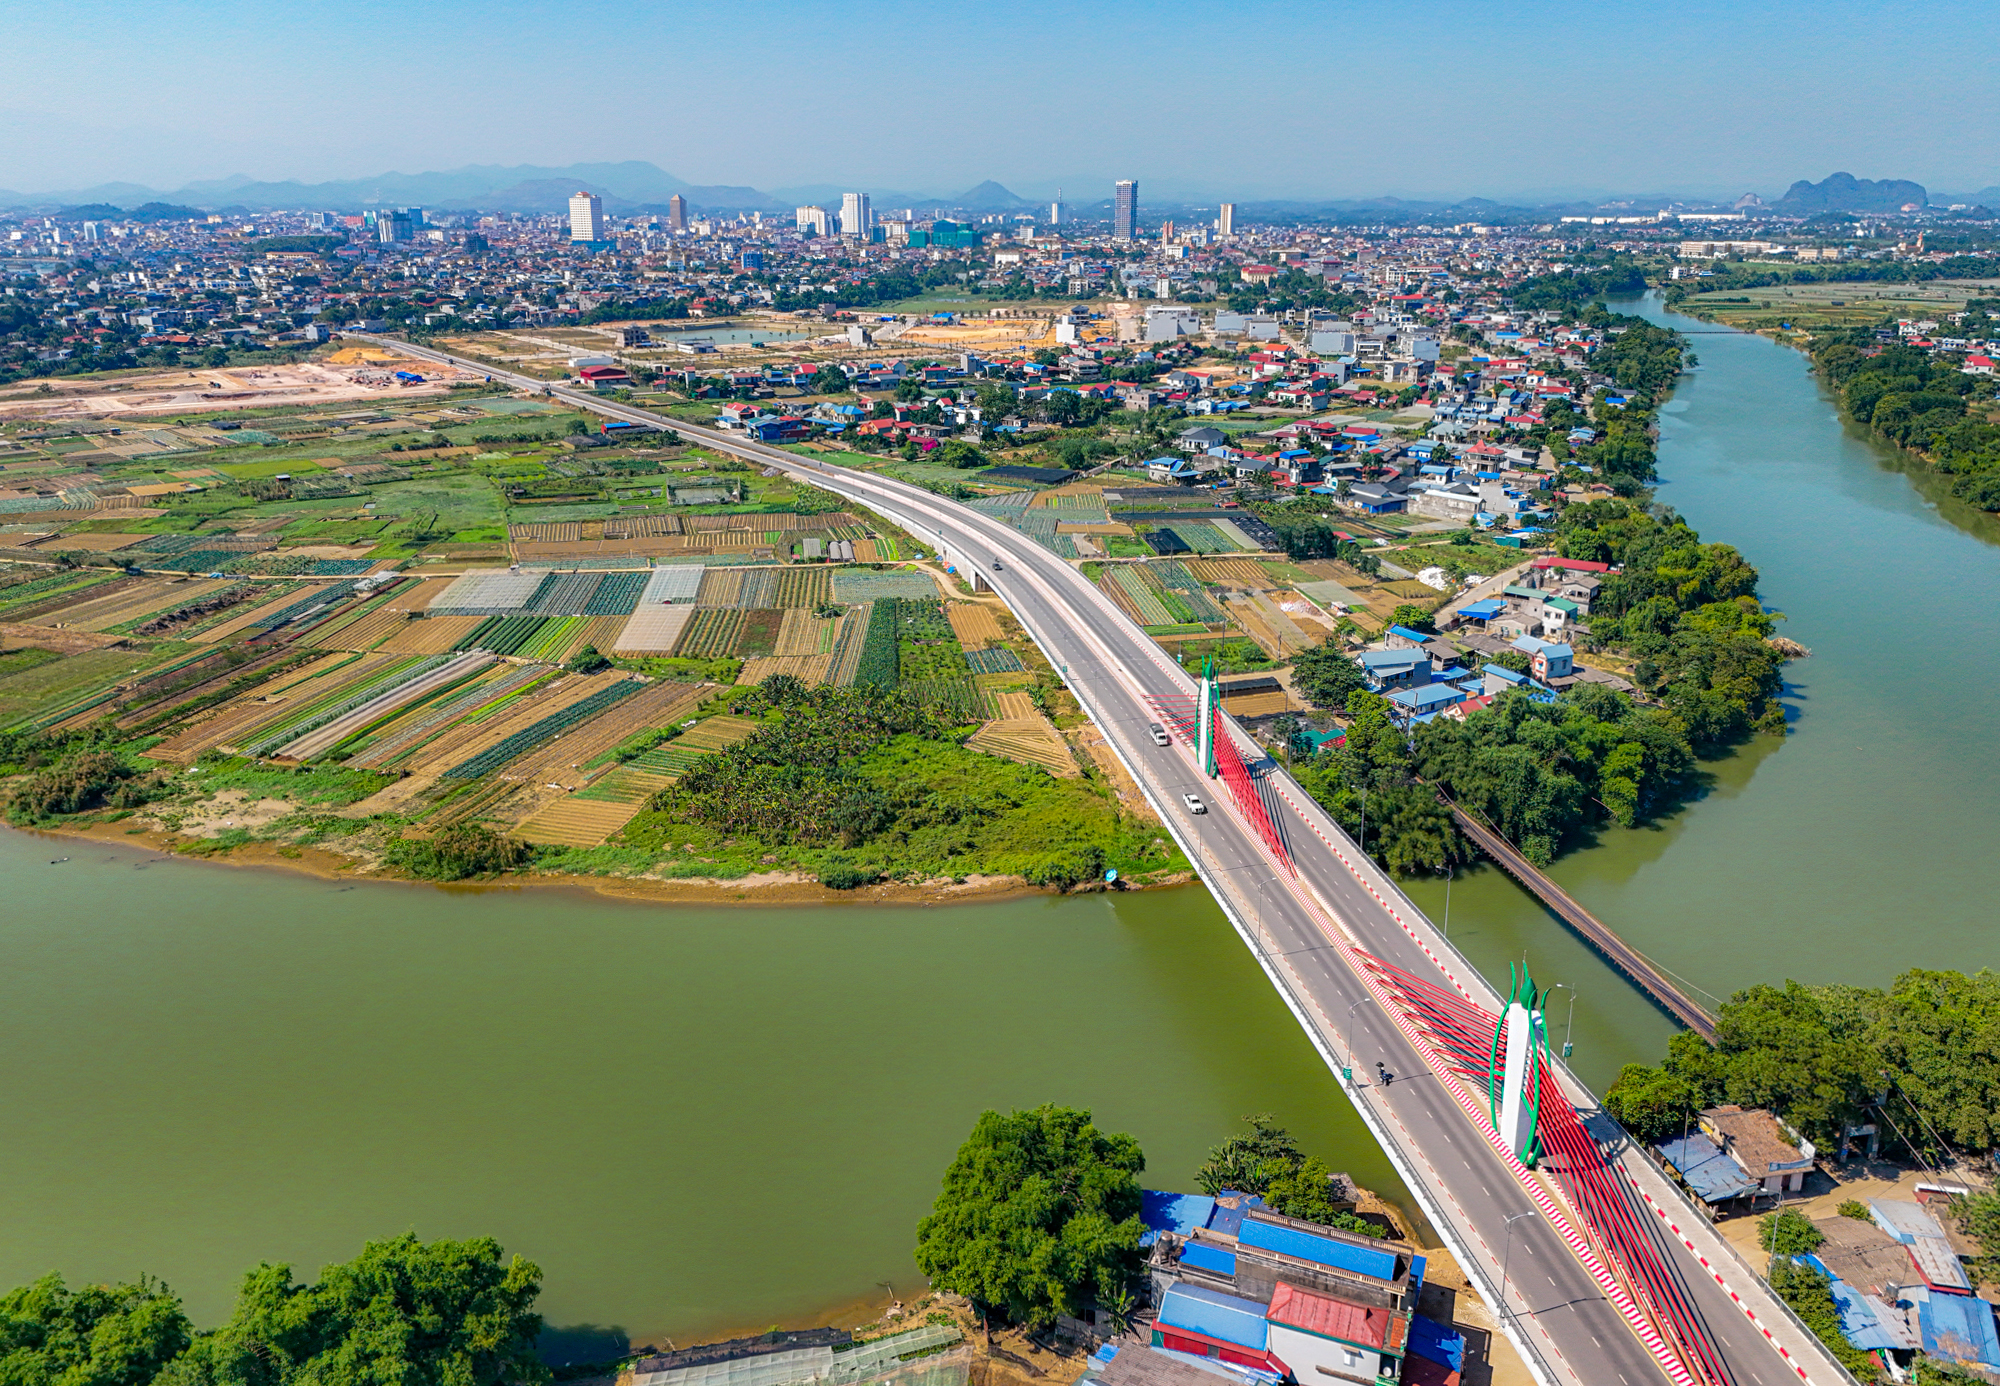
x: 1857, y: 852
x: 760, y: 890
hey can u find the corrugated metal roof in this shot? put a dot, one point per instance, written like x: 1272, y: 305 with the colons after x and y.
x: 1436, y: 1343
x: 1329, y: 1317
x: 1209, y: 1257
x: 1868, y: 1323
x: 1225, y: 1318
x: 1938, y: 1264
x: 1711, y: 1174
x: 1179, y: 1214
x: 1289, y: 1241
x: 1903, y: 1220
x: 1959, y: 1327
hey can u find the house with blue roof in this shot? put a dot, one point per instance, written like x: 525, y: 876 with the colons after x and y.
x: 1422, y: 704
x: 1546, y: 661
x: 1387, y: 669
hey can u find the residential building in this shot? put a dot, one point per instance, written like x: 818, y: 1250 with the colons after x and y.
x: 1125, y: 210
x: 1225, y: 219
x: 815, y: 221
x: 1056, y: 210
x: 677, y: 213
x: 1765, y: 1150
x: 586, y: 218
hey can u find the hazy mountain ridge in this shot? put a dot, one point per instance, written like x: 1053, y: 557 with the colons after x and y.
x: 636, y: 186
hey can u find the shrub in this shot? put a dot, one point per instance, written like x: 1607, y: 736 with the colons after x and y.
x: 459, y: 852
x: 842, y: 876
x: 1067, y: 868
x: 587, y: 661
x: 1854, y: 1208
x: 82, y: 781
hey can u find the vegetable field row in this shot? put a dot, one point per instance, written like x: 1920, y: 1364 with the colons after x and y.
x: 549, y: 728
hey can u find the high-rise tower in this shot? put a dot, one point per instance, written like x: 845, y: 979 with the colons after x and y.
x: 586, y: 217
x: 1125, y: 209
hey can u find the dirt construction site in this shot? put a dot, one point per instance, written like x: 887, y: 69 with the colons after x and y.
x: 354, y: 374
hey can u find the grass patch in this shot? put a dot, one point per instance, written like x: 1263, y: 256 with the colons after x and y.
x: 327, y: 786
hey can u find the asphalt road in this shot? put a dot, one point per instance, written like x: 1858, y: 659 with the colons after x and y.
x: 1558, y: 1313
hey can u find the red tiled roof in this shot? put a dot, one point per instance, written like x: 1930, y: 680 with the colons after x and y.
x: 1329, y: 1317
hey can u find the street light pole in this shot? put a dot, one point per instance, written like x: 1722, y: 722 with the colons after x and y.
x: 1569, y: 1026
x: 1448, y: 872
x: 1507, y: 1257
x: 1347, y: 1070
x: 1364, y: 820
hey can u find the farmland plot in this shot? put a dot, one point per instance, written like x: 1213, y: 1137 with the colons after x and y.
x: 805, y: 634
x: 975, y: 624
x: 712, y: 634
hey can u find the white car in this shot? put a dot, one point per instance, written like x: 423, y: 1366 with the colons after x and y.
x: 1160, y: 737
x: 1194, y: 803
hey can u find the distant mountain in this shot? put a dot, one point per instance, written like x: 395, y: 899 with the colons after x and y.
x: 990, y: 197
x: 473, y: 188
x: 1843, y: 192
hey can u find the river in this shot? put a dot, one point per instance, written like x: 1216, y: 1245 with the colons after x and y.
x: 708, y: 1119
x: 693, y: 1119
x: 1862, y: 844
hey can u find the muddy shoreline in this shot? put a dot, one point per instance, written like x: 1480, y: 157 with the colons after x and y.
x: 767, y: 888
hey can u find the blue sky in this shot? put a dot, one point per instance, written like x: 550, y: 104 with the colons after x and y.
x: 1243, y: 100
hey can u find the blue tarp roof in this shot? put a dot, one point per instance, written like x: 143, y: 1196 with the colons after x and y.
x: 1408, y: 634
x: 1959, y: 1327
x: 1501, y: 671
x: 1710, y: 1173
x: 1289, y: 1241
x: 1209, y: 1257
x: 1226, y: 1318
x: 1179, y: 1214
x: 1435, y: 1343
x: 1483, y: 611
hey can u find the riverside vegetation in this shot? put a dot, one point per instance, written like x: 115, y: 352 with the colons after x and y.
x: 1921, y: 403
x: 443, y: 1313
x: 1039, y: 1213
x: 1682, y: 613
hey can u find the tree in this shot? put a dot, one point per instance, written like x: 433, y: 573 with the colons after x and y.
x: 1039, y: 1215
x: 827, y: 380
x: 1326, y: 675
x: 1652, y: 1104
x: 1062, y: 407
x: 413, y: 1313
x: 1249, y: 1162
x: 1414, y: 617
x: 99, y: 1335
x: 587, y: 661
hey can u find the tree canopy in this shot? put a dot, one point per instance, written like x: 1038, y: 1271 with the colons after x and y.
x: 412, y: 1313
x: 95, y: 1335
x: 1926, y: 1052
x: 1038, y: 1216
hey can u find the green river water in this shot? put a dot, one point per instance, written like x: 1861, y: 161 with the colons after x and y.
x: 707, y: 1119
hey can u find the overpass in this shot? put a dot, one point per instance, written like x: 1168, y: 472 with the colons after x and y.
x: 1598, y: 1269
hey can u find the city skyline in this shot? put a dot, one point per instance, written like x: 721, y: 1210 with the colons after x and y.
x: 1723, y: 119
